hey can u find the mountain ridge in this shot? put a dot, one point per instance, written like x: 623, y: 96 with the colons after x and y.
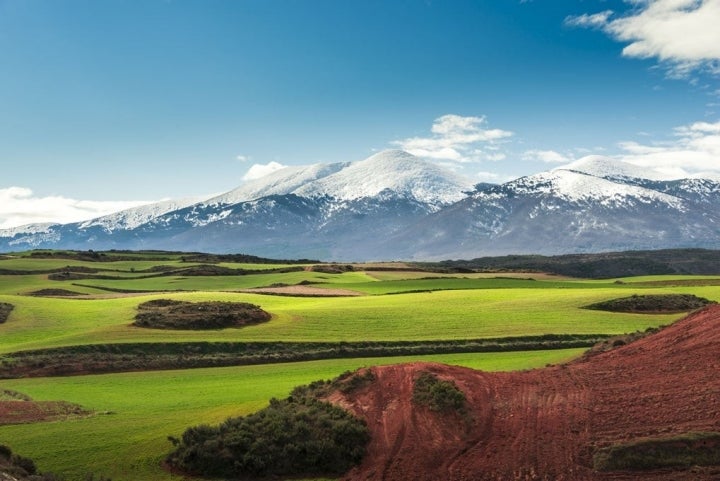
x: 394, y: 205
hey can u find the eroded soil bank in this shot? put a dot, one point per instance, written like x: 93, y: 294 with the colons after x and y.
x: 547, y: 424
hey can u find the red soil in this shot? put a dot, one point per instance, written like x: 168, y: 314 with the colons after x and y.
x: 546, y: 424
x: 22, y: 412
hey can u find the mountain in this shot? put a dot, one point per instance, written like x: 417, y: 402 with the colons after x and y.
x: 394, y: 205
x: 566, y: 211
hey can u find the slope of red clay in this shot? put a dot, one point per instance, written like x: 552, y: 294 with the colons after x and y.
x: 546, y: 424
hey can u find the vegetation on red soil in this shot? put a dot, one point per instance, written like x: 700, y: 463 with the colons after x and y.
x: 548, y: 424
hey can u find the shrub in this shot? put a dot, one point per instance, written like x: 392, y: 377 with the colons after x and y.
x: 5, y: 310
x: 436, y: 394
x: 686, y: 450
x: 297, y: 436
x: 652, y: 303
x: 171, y: 314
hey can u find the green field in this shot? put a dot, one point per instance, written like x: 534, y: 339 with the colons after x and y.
x: 147, y: 407
x: 135, y: 412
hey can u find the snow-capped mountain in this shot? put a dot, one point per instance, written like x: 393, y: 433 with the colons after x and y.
x: 393, y: 205
x: 131, y: 218
x: 566, y: 210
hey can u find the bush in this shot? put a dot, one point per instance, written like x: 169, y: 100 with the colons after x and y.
x: 436, y: 394
x: 5, y: 310
x: 687, y: 450
x: 651, y: 303
x: 171, y: 314
x: 297, y: 436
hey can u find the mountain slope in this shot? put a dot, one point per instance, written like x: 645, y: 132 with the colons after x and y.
x: 565, y: 211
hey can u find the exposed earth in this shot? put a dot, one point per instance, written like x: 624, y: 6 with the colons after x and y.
x: 547, y: 424
x: 17, y: 408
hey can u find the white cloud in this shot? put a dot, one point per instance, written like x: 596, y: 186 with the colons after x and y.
x: 243, y: 158
x: 454, y: 138
x: 261, y: 170
x: 19, y: 206
x: 586, y: 20
x: 548, y: 156
x: 488, y: 176
x: 695, y: 151
x: 685, y: 34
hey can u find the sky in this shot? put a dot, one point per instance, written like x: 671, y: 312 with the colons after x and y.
x: 108, y: 104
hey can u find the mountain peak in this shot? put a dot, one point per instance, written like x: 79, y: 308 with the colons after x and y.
x: 394, y: 171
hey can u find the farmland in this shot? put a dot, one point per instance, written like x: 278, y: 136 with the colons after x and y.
x: 135, y: 412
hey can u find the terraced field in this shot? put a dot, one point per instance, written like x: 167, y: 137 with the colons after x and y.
x: 133, y: 412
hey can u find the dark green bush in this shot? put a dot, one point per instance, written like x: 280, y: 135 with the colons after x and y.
x: 171, y: 314
x: 436, y: 394
x: 5, y: 310
x: 297, y: 436
x: 652, y: 303
x: 686, y: 450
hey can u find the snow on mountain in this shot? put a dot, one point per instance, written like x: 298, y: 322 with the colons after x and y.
x: 574, y: 186
x: 281, y: 182
x: 605, y: 167
x: 393, y: 205
x: 40, y: 228
x: 131, y: 218
x: 396, y: 171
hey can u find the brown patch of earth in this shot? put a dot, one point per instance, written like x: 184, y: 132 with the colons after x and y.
x: 546, y: 424
x: 303, y: 291
x: 17, y: 408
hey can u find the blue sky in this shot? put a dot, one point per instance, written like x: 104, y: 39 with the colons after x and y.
x: 104, y: 103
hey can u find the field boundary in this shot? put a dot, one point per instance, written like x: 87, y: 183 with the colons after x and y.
x: 123, y: 357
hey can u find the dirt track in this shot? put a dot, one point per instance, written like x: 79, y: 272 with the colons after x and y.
x: 545, y: 424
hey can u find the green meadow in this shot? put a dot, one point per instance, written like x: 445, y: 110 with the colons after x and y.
x: 135, y: 412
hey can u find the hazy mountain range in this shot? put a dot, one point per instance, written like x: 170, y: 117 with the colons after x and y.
x: 393, y: 205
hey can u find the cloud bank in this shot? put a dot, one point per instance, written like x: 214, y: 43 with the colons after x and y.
x: 456, y: 138
x: 695, y: 152
x: 20, y: 206
x: 682, y: 34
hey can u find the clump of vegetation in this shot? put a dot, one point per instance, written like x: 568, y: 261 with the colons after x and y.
x: 5, y: 310
x: 350, y: 382
x: 298, y: 436
x: 170, y: 314
x: 436, y: 394
x: 53, y: 293
x: 332, y: 268
x: 652, y: 303
x: 687, y: 450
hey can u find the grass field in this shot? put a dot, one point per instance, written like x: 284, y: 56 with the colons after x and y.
x: 130, y: 443
x: 454, y: 314
x: 144, y: 408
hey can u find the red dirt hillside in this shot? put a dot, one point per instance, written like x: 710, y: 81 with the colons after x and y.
x: 546, y: 424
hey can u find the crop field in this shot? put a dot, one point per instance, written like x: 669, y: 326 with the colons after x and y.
x: 95, y: 300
